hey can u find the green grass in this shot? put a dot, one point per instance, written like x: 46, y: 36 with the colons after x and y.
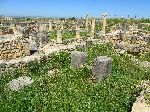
x: 72, y: 90
x: 53, y: 35
x: 65, y: 36
x: 147, y: 28
x: 83, y: 34
x: 68, y: 35
x: 143, y: 56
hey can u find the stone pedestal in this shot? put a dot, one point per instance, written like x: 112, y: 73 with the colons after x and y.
x: 78, y: 59
x: 102, y: 67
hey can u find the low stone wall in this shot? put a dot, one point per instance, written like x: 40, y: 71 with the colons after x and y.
x: 129, y: 43
x: 12, y: 48
x: 11, y: 65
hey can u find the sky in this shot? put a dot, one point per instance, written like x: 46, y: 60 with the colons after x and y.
x: 75, y: 8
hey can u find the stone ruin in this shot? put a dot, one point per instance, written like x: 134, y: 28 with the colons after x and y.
x: 101, y: 68
x: 12, y: 47
x: 104, y: 22
x: 36, y: 36
x: 78, y: 59
x: 131, y: 41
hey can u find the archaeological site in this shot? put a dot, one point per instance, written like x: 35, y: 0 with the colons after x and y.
x: 52, y: 61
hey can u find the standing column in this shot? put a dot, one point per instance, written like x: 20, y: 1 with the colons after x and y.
x: 41, y: 27
x: 14, y: 28
x: 50, y: 26
x: 59, y: 37
x: 104, y: 23
x: 77, y: 33
x: 93, y: 28
x: 62, y: 26
x: 86, y: 23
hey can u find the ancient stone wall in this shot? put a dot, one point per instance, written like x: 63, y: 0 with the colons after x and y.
x: 12, y: 48
x: 128, y: 42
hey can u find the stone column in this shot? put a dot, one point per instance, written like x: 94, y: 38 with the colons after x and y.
x: 77, y: 33
x: 104, y: 23
x: 62, y: 26
x: 102, y: 67
x: 50, y: 26
x: 45, y: 27
x: 41, y: 27
x: 15, y: 30
x: 86, y: 23
x: 59, y: 37
x: 93, y: 28
x: 38, y: 40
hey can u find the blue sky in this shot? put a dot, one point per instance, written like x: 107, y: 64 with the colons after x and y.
x: 76, y: 8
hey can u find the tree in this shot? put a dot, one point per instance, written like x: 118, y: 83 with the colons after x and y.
x: 28, y: 19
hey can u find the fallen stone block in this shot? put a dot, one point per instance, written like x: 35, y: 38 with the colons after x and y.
x: 102, y: 66
x: 78, y: 59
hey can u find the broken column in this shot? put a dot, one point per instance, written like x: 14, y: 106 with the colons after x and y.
x: 102, y: 67
x: 15, y: 29
x: 77, y: 33
x: 59, y: 37
x: 62, y: 26
x: 41, y: 27
x: 78, y: 59
x: 50, y: 26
